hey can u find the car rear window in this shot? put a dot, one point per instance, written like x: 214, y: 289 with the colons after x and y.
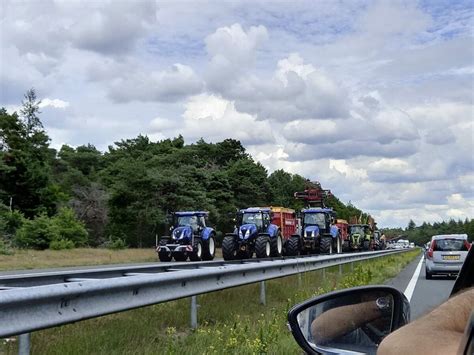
x: 450, y: 245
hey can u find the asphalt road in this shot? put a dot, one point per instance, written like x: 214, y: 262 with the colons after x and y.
x: 427, y: 294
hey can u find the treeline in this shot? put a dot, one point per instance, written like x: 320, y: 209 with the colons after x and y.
x: 124, y: 195
x: 423, y: 233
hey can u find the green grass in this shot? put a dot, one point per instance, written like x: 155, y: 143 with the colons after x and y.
x: 230, y: 321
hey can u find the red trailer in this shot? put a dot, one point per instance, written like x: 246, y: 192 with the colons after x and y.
x: 286, y: 219
x: 344, y: 232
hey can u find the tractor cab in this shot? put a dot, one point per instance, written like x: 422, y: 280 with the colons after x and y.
x: 317, y: 220
x: 195, y: 220
x: 252, y: 221
x: 360, y: 236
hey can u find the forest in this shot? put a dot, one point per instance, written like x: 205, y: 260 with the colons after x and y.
x: 80, y: 196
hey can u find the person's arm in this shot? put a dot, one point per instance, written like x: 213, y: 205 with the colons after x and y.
x: 439, y: 332
x: 342, y: 320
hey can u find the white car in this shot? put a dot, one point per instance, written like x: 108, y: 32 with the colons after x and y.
x: 446, y: 254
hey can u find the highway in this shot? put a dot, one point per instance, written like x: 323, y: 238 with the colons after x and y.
x: 427, y: 294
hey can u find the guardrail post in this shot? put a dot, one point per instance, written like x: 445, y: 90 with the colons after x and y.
x: 352, y: 266
x: 24, y: 344
x: 262, y: 293
x: 324, y: 274
x: 194, y: 306
x: 340, y: 270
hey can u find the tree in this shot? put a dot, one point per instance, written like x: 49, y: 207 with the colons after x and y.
x: 411, y: 225
x: 30, y: 111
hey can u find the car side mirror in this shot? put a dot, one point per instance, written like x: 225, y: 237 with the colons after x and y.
x: 351, y: 320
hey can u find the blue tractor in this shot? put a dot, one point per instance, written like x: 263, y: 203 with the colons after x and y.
x: 190, y: 237
x: 318, y: 234
x: 254, y: 232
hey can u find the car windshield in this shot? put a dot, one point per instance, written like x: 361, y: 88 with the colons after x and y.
x: 357, y: 229
x: 450, y: 245
x: 252, y: 218
x: 187, y: 221
x: 318, y: 219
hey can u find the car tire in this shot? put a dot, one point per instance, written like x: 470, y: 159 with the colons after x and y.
x: 428, y: 274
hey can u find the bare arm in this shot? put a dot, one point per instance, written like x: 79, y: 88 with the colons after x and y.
x: 439, y: 332
x: 342, y: 320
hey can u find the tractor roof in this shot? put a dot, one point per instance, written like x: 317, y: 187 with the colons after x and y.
x: 255, y: 209
x: 318, y: 210
x: 191, y: 213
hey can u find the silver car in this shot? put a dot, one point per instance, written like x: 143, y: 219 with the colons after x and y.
x: 446, y: 254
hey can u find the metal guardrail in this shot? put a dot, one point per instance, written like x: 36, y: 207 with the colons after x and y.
x: 26, y: 308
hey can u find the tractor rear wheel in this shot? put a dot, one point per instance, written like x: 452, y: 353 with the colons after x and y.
x: 293, y: 246
x: 196, y: 254
x: 276, y: 244
x: 325, y: 246
x: 262, y: 247
x: 209, y: 248
x: 229, y: 248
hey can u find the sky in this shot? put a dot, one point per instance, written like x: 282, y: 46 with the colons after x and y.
x: 374, y: 99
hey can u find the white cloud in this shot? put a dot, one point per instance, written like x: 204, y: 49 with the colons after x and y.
x: 55, y: 103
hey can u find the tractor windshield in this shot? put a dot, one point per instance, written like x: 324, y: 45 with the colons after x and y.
x: 252, y: 218
x: 188, y: 221
x: 357, y: 230
x: 318, y: 219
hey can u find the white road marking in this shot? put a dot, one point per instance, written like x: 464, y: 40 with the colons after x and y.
x: 411, y: 285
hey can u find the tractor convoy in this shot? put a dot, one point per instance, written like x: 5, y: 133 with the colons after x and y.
x: 271, y: 232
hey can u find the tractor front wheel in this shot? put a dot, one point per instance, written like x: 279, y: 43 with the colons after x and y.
x: 196, y: 254
x: 276, y: 245
x: 229, y: 248
x: 164, y: 255
x: 293, y: 246
x: 209, y: 248
x: 262, y: 247
x: 325, y: 246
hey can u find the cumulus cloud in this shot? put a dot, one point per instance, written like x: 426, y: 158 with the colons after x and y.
x: 172, y: 84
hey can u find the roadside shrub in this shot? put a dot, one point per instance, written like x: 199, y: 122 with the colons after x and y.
x: 36, y: 233
x: 10, y: 221
x: 5, y: 248
x: 69, y: 228
x: 117, y: 244
x: 61, y: 244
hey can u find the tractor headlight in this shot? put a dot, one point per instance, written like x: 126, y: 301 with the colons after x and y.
x: 313, y: 233
x: 182, y: 235
x: 240, y: 234
x: 247, y: 234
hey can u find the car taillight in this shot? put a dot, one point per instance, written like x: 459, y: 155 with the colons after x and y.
x: 468, y: 245
x: 430, y: 253
x: 432, y: 247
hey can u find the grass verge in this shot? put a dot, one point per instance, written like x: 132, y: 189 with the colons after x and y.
x: 230, y: 321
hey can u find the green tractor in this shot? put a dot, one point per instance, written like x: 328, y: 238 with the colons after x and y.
x: 360, y: 236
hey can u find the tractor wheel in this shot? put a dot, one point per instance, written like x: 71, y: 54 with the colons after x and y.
x: 262, y: 247
x: 209, y: 248
x: 164, y: 256
x: 366, y: 245
x: 293, y: 246
x: 346, y: 246
x: 338, y: 244
x: 197, y: 252
x: 276, y: 245
x: 229, y: 248
x: 325, y: 246
x: 180, y: 257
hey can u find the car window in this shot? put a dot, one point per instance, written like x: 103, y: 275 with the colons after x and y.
x: 450, y: 245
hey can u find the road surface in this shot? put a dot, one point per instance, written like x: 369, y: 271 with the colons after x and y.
x: 427, y: 294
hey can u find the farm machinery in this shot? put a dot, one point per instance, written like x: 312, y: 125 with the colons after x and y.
x: 318, y: 232
x: 362, y: 234
x: 189, y: 237
x: 264, y: 231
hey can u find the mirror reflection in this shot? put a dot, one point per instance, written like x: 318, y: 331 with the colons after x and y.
x: 352, y: 323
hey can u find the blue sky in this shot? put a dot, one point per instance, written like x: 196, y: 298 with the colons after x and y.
x: 372, y: 98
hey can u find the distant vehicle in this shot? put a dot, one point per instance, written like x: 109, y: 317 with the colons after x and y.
x: 446, y: 254
x: 189, y: 237
x: 412, y: 245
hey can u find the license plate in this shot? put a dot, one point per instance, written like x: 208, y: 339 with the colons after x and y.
x: 450, y: 257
